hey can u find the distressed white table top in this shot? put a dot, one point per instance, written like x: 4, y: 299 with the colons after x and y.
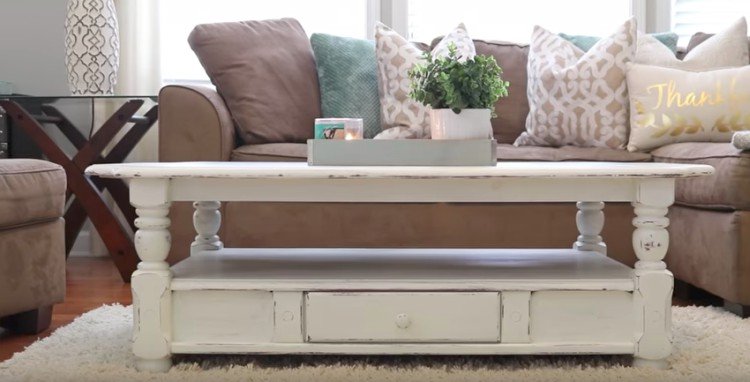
x: 297, y: 170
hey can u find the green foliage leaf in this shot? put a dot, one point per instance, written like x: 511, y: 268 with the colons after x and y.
x: 447, y: 83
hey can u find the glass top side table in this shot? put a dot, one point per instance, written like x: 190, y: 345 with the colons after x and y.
x: 68, y: 132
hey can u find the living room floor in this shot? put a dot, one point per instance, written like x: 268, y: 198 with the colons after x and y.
x: 93, y: 281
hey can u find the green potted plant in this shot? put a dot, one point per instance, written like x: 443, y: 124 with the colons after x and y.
x: 461, y: 93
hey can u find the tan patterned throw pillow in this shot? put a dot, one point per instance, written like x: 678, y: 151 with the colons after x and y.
x: 403, y: 117
x: 670, y: 105
x: 578, y: 98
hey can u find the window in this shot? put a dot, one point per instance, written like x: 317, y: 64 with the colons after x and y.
x: 178, y: 17
x: 710, y: 16
x: 512, y: 20
x: 423, y: 20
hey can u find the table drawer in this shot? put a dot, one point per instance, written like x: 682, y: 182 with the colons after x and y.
x: 402, y: 317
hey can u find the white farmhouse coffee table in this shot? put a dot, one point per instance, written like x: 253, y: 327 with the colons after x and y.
x: 401, y: 301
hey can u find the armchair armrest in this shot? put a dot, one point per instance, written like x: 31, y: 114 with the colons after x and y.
x: 194, y: 125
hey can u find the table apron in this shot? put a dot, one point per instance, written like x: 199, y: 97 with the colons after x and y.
x: 418, y: 190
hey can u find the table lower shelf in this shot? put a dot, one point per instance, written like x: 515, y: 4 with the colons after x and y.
x: 402, y: 301
x: 285, y: 269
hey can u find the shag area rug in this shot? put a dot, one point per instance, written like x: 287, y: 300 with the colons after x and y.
x: 710, y: 345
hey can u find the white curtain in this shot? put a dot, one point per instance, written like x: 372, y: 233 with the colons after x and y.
x: 139, y: 75
x: 140, y: 72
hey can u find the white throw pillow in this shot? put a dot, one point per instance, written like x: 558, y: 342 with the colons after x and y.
x: 402, y: 117
x: 727, y: 48
x: 669, y: 105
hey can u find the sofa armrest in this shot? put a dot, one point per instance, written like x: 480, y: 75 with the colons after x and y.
x: 194, y: 125
x: 741, y: 140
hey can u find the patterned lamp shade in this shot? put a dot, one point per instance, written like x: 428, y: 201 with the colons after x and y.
x: 92, y: 43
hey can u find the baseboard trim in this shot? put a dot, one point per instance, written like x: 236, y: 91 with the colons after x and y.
x: 84, y: 247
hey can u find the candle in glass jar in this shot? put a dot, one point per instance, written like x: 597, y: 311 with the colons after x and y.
x: 339, y: 128
x: 353, y: 129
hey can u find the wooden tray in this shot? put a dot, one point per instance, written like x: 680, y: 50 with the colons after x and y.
x: 405, y: 152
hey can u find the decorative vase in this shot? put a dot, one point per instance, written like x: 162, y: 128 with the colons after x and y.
x: 468, y: 124
x: 92, y: 43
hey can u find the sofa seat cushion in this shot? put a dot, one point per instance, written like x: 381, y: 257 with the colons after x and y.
x: 31, y: 191
x: 727, y: 189
x: 271, y: 152
x: 567, y: 153
x: 297, y: 152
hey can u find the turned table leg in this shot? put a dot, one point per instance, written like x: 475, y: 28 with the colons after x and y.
x: 207, y: 221
x: 653, y: 282
x: 151, y: 282
x: 590, y: 221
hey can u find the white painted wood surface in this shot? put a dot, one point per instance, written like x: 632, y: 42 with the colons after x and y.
x: 405, y: 348
x: 288, y: 319
x: 581, y: 317
x: 417, y: 190
x: 402, y: 317
x: 590, y: 221
x: 515, y: 317
x: 152, y: 319
x: 653, y: 282
x: 291, y: 269
x: 577, y: 300
x: 296, y: 170
x: 217, y: 316
x: 152, y: 298
x: 207, y: 221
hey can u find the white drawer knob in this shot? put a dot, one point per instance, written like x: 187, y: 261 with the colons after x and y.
x: 402, y: 320
x: 287, y: 316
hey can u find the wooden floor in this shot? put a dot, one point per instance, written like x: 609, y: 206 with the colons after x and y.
x: 93, y: 282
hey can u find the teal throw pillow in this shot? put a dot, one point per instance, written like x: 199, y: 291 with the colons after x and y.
x: 348, y: 78
x: 586, y: 42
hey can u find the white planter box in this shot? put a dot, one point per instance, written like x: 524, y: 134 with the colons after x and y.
x: 469, y: 124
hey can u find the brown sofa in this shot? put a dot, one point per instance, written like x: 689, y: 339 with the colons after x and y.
x: 710, y: 228
x: 32, y: 243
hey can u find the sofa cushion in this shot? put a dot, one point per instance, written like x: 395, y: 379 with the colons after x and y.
x: 31, y: 191
x: 271, y: 152
x: 511, y: 110
x: 668, y: 39
x: 728, y: 188
x: 265, y: 71
x: 578, y: 98
x: 402, y: 116
x: 669, y: 105
x: 727, y: 48
x: 508, y: 152
x: 348, y: 77
x: 283, y: 152
x: 701, y: 37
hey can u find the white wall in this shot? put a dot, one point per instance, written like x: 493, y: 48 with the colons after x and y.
x: 32, y: 46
